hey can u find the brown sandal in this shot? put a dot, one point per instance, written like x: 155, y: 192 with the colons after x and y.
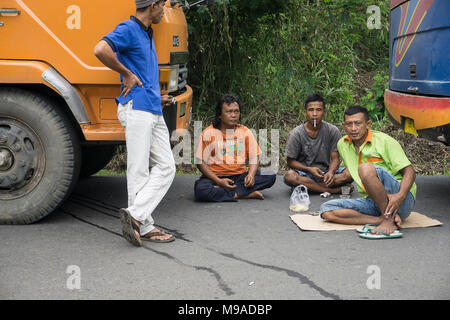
x: 150, y: 235
x: 129, y: 227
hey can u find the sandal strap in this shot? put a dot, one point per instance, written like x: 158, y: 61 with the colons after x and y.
x: 157, y: 234
x: 135, y: 226
x: 379, y: 231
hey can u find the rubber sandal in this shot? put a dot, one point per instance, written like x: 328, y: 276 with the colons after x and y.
x: 128, y: 228
x: 150, y: 235
x: 364, y: 228
x: 369, y: 235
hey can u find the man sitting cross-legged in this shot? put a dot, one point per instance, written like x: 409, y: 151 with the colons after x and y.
x: 311, y: 152
x: 382, y: 172
x: 222, y: 152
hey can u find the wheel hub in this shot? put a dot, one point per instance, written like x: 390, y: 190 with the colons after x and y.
x: 22, y: 159
x: 6, y: 159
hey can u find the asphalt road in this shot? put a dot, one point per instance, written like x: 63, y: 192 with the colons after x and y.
x: 246, y: 250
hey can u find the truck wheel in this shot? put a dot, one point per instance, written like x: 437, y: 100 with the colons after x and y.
x: 95, y: 158
x: 39, y: 157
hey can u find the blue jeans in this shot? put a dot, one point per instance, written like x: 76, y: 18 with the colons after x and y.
x: 309, y: 175
x: 367, y: 205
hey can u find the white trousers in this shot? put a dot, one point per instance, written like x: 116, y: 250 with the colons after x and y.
x: 147, y: 141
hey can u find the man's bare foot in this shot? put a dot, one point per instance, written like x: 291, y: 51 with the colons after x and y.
x: 387, y: 226
x: 157, y: 235
x: 254, y: 195
x: 398, y: 221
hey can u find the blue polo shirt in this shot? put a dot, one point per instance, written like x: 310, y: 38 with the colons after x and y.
x: 133, y: 43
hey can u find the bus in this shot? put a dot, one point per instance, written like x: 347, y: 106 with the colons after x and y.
x: 418, y: 97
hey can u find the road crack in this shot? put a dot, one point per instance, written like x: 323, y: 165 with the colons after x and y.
x: 291, y: 273
x: 220, y: 281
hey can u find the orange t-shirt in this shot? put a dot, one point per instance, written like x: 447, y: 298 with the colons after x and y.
x: 226, y: 153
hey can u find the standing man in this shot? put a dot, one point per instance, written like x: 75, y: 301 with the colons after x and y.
x: 130, y: 51
x: 311, y: 152
x: 383, y: 174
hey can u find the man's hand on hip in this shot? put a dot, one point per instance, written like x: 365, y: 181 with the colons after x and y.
x: 129, y: 81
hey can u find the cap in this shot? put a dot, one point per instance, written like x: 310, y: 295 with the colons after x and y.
x: 143, y: 3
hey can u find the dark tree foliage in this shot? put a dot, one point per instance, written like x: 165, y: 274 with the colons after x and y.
x: 273, y: 53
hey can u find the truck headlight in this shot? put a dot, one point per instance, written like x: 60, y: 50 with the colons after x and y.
x: 173, y: 81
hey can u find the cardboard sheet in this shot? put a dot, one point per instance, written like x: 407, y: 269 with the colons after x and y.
x: 315, y: 223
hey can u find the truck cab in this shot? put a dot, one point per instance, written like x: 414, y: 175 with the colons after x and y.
x: 57, y: 101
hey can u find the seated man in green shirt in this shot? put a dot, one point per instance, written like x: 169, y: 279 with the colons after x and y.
x: 382, y: 172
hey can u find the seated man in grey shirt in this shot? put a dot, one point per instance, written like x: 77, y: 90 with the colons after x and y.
x: 312, y: 154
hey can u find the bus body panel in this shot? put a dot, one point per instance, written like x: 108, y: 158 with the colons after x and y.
x: 418, y: 98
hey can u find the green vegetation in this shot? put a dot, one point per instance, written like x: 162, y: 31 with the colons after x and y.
x: 274, y: 53
x: 106, y: 172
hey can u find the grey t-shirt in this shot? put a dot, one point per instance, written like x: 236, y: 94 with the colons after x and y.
x: 313, y: 152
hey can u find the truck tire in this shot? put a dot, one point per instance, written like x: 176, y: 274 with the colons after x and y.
x: 39, y: 156
x: 95, y: 158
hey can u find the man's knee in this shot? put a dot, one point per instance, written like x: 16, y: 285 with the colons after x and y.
x: 271, y: 178
x: 366, y: 170
x: 291, y: 177
x: 327, y: 210
x: 202, y: 190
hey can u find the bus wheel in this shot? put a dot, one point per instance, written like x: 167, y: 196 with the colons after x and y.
x: 39, y: 156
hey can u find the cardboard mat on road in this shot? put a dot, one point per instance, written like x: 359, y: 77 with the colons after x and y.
x: 315, y: 223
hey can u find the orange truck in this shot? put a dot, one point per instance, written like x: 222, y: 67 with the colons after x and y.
x: 57, y: 110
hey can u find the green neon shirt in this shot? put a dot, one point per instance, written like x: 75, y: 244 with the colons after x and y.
x: 379, y: 149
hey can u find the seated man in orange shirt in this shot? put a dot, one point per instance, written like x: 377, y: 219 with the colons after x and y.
x: 222, y: 152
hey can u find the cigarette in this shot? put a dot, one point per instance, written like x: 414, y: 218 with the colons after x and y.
x: 314, y: 123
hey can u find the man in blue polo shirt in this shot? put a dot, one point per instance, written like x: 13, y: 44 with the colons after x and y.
x: 130, y: 51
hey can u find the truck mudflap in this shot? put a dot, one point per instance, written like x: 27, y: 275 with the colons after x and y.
x: 424, y: 116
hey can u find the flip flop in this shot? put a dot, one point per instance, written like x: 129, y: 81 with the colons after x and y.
x: 364, y: 228
x: 383, y: 235
x: 128, y: 228
x: 149, y: 237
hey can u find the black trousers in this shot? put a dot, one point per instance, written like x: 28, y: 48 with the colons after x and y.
x: 206, y: 191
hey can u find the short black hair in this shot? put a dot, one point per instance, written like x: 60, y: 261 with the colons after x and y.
x: 228, y: 98
x: 314, y: 97
x: 357, y: 109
